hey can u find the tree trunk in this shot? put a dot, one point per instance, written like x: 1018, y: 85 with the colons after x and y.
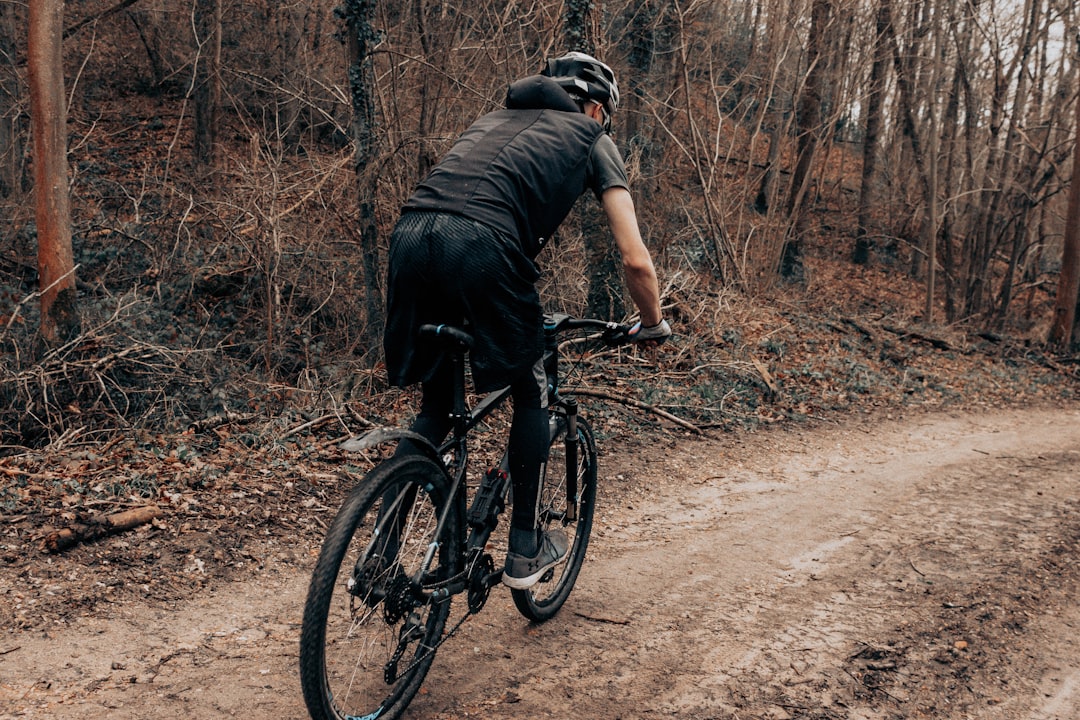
x: 11, y: 130
x: 577, y: 26
x: 1063, y: 331
x: 56, y: 265
x: 771, y: 115
x: 289, y: 21
x: 207, y: 81
x: 809, y: 123
x: 431, y: 83
x: 606, y: 294
x: 361, y: 38
x: 906, y: 91
x: 933, y: 145
x: 867, y: 197
x: 957, y: 169
x: 641, y: 40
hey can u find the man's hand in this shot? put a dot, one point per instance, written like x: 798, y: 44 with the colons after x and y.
x: 655, y: 335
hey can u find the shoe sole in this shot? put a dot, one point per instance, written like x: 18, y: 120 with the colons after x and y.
x: 524, y: 583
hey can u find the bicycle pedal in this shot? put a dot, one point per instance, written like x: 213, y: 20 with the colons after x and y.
x: 488, y: 502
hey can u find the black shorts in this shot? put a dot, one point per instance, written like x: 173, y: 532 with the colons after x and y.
x: 448, y: 269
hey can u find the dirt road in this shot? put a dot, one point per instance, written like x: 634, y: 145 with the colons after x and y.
x: 922, y: 567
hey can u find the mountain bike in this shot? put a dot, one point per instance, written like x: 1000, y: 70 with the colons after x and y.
x: 407, y: 540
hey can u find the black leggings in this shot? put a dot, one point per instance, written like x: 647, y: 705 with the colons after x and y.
x: 528, y: 446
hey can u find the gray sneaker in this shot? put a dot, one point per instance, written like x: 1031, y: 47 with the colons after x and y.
x: 522, y: 572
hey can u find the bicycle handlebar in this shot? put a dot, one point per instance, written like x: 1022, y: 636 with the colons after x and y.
x: 612, y: 333
x: 463, y: 339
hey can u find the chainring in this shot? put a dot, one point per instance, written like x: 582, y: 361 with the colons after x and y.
x: 478, y: 588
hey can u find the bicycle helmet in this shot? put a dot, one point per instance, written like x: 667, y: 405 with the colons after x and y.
x: 586, y: 78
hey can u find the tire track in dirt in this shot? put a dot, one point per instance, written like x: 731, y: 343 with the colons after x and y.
x: 817, y: 580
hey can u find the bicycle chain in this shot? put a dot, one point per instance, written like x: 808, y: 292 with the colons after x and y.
x: 478, y: 564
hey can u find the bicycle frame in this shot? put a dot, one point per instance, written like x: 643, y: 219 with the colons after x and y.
x: 464, y: 420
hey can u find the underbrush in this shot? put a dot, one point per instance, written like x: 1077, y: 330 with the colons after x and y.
x: 735, y: 363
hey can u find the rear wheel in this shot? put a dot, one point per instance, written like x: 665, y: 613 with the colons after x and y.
x: 370, y: 628
x: 570, y: 458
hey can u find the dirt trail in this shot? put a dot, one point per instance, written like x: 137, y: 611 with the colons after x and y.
x: 924, y: 567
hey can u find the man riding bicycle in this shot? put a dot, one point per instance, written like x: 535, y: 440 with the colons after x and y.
x: 463, y: 251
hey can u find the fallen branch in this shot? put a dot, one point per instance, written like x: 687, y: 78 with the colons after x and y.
x: 310, y: 425
x: 68, y: 32
x: 637, y: 404
x: 226, y: 418
x: 1049, y: 363
x: 600, y: 619
x: 98, y: 527
x: 774, y: 389
x: 939, y: 343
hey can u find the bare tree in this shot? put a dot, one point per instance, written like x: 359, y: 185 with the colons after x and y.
x: 810, y: 126
x: 606, y: 290
x: 933, y: 118
x: 56, y: 265
x: 1064, y: 330
x: 874, y: 93
x: 956, y: 177
x: 207, y: 86
x: 11, y: 130
x: 360, y: 40
x: 771, y: 102
x: 288, y: 21
x: 431, y: 22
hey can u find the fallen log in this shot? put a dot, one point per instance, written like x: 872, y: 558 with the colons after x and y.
x: 637, y: 404
x: 98, y: 526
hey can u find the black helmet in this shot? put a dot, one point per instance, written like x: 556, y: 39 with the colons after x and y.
x: 585, y: 77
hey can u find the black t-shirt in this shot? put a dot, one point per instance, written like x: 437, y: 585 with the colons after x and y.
x: 521, y: 170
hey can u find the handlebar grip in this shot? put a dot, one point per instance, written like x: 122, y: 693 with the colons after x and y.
x: 462, y: 338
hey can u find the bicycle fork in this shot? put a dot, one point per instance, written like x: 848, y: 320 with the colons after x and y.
x: 571, y: 407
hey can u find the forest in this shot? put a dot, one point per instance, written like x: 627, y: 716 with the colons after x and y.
x: 196, y: 218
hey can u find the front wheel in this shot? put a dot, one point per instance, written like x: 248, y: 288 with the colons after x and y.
x: 371, y: 622
x: 567, y: 501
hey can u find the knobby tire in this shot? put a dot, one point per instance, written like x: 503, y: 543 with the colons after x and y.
x: 543, y: 600
x: 350, y: 637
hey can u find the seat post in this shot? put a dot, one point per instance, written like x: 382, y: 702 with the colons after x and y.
x: 460, y: 412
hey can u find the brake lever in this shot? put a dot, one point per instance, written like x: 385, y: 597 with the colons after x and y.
x: 617, y: 335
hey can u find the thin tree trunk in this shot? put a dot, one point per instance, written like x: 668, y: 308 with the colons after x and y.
x: 777, y: 31
x: 998, y: 168
x: 809, y: 126
x: 1063, y: 330
x: 933, y: 135
x: 606, y: 294
x: 867, y: 196
x: 908, y: 121
x: 431, y: 85
x: 361, y: 37
x: 956, y: 161
x: 11, y: 129
x: 207, y: 81
x: 56, y: 265
x: 289, y: 20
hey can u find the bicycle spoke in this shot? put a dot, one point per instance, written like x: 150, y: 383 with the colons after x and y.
x: 544, y: 599
x: 369, y: 631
